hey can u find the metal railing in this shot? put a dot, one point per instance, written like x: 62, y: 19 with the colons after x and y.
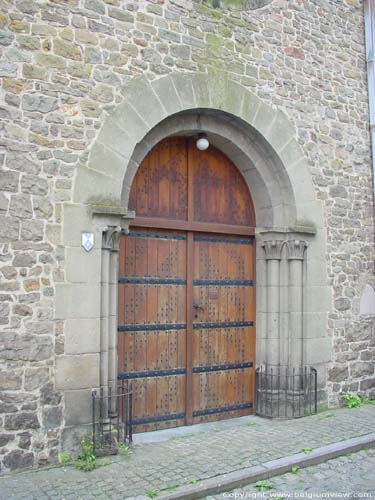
x: 112, y: 418
x: 284, y: 392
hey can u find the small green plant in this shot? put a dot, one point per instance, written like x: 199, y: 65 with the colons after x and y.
x: 216, y: 430
x: 251, y: 424
x: 353, y: 400
x: 294, y: 469
x: 123, y: 449
x: 194, y: 481
x: 264, y: 485
x: 64, y: 458
x: 152, y: 493
x: 86, y: 460
x: 306, y: 451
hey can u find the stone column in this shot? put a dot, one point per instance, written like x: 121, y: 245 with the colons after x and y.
x: 296, y: 253
x: 108, y: 330
x: 272, y: 249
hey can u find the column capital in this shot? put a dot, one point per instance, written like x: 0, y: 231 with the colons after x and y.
x: 272, y: 249
x: 296, y: 249
x: 111, y: 237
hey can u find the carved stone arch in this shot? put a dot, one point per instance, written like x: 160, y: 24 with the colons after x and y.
x: 259, y: 133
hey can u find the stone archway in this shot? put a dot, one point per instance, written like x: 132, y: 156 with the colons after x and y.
x: 291, y: 291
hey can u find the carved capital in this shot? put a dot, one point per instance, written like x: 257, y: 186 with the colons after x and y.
x: 296, y: 249
x: 272, y: 249
x: 111, y: 237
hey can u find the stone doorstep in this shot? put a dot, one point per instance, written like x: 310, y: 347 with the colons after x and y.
x: 243, y: 477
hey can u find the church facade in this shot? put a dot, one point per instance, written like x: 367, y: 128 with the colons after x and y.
x: 127, y: 252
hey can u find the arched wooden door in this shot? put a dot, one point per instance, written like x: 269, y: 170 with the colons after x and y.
x: 186, y: 289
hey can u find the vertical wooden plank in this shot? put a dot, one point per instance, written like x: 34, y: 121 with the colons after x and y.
x: 189, y: 325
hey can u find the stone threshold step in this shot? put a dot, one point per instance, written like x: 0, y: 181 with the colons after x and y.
x: 242, y: 477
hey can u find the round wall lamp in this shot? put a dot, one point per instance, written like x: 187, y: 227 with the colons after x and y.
x: 202, y: 142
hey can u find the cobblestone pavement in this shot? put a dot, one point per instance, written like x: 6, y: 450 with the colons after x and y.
x: 188, y: 458
x: 352, y: 476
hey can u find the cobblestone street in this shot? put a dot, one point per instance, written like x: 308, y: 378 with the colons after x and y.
x: 186, y: 459
x: 353, y: 476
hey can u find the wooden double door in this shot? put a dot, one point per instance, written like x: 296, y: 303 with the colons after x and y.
x: 186, y: 332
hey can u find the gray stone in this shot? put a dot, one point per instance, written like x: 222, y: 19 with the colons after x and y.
x: 362, y: 369
x: 24, y: 260
x: 22, y: 163
x: 65, y: 156
x: 338, y: 373
x: 8, y: 69
x: 5, y: 439
x: 4, y: 314
x: 40, y: 103
x: 20, y: 206
x: 52, y: 417
x: 22, y: 420
x: 36, y: 378
x: 93, y: 56
x: 121, y: 15
x: 49, y: 396
x: 6, y: 38
x: 338, y: 192
x: 342, y: 304
x: 9, y: 180
x: 42, y: 207
x: 10, y: 380
x: 32, y: 230
x: 25, y: 347
x: 9, y: 272
x: 9, y: 228
x: 24, y: 440
x: 17, y: 459
x: 34, y: 185
x: 4, y: 203
x: 95, y: 5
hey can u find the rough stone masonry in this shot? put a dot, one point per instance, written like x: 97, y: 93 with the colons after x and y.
x: 63, y: 65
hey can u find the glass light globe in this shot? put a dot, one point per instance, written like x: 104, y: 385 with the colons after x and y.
x: 202, y: 144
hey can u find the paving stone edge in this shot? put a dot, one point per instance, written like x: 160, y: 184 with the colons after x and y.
x: 236, y: 479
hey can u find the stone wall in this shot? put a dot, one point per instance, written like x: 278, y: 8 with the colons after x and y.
x: 63, y: 66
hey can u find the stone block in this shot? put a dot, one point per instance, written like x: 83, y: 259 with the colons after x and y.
x: 77, y: 372
x: 25, y: 347
x: 21, y: 420
x: 128, y: 119
x: 77, y: 219
x: 318, y: 350
x: 145, y: 102
x: 95, y: 188
x: 82, y: 336
x: 9, y: 180
x: 52, y: 417
x: 17, y: 459
x: 35, y: 378
x: 20, y: 206
x: 78, y: 407
x: 39, y: 103
x: 32, y: 230
x: 166, y: 92
x: 10, y: 380
x: 82, y: 266
x: 77, y: 301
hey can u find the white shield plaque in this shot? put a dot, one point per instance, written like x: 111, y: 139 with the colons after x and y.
x: 88, y: 241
